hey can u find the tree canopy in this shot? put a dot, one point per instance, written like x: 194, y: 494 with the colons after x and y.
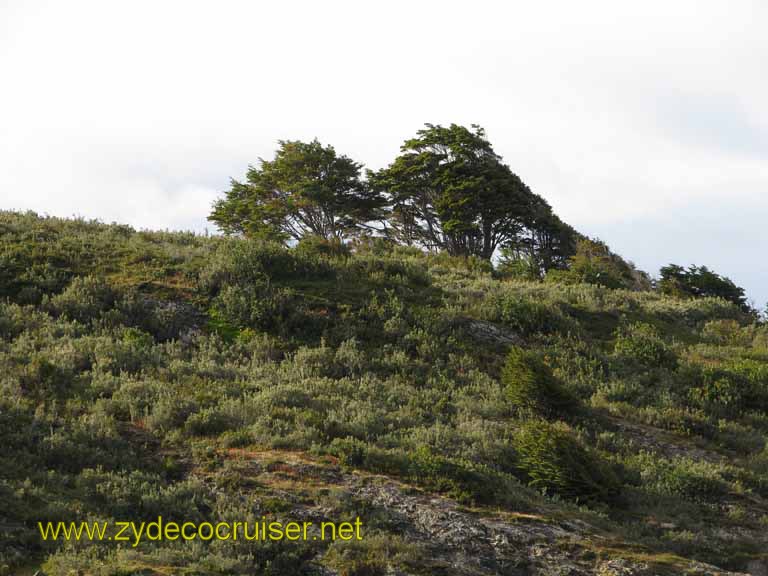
x: 448, y: 190
x: 306, y: 190
x: 699, y: 281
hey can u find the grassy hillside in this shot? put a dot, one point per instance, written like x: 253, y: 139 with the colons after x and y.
x: 476, y: 425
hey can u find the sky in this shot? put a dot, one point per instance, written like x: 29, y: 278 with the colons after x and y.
x: 642, y: 123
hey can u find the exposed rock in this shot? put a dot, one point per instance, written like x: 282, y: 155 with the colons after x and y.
x: 460, y: 541
x: 488, y: 332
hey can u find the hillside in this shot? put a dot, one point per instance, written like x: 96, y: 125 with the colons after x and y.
x: 474, y: 424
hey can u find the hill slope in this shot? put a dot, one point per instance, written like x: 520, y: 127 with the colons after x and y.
x: 474, y: 425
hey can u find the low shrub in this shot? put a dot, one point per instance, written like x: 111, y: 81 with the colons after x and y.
x: 720, y: 392
x: 84, y: 300
x: 550, y: 458
x: 641, y: 343
x: 531, y: 386
x: 528, y: 317
x: 465, y: 481
x: 698, y: 481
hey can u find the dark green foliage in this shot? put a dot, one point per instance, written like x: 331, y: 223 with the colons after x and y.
x: 375, y: 556
x: 316, y: 246
x: 530, y: 385
x: 698, y: 282
x: 256, y: 306
x: 306, y: 190
x: 448, y: 190
x: 255, y: 262
x: 519, y: 267
x: 552, y: 459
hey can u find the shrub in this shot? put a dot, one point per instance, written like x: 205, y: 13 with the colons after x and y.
x: 727, y: 331
x: 168, y: 413
x: 721, y: 392
x: 83, y: 300
x: 257, y: 306
x: 242, y: 263
x: 459, y: 479
x: 311, y: 246
x: 698, y: 481
x: 641, y: 343
x: 517, y: 267
x: 551, y: 459
x: 133, y: 352
x: 528, y: 316
x: 208, y: 422
x: 531, y: 386
x: 376, y: 555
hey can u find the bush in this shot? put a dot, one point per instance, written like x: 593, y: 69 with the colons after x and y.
x: 530, y: 385
x: 529, y: 317
x: 208, y: 422
x: 694, y: 480
x: 721, y: 392
x: 728, y: 332
x: 641, y: 343
x: 85, y: 299
x: 251, y: 262
x: 551, y: 459
x: 376, y: 555
x: 257, y: 306
x: 311, y: 246
x: 459, y: 479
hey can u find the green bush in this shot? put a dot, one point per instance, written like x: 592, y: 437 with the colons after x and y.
x: 257, y: 306
x: 208, y: 422
x: 459, y: 479
x: 642, y: 343
x: 252, y: 262
x: 375, y: 555
x: 550, y: 458
x: 721, y: 392
x: 85, y: 299
x: 530, y: 385
x: 697, y: 481
x: 728, y: 332
x: 528, y: 317
x: 310, y: 247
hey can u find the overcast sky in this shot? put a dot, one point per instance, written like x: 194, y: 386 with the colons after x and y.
x: 642, y: 123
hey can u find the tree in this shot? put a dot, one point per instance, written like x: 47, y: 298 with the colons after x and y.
x: 546, y: 243
x: 307, y: 189
x: 449, y: 190
x: 700, y: 281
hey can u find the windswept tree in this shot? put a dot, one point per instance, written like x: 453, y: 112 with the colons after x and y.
x: 306, y: 190
x: 448, y: 190
x: 545, y: 243
x: 699, y: 281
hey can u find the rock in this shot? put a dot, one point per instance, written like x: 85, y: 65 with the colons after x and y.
x: 488, y: 332
x: 621, y: 567
x: 758, y: 568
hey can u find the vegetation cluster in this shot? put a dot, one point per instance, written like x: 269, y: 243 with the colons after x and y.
x: 134, y: 366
